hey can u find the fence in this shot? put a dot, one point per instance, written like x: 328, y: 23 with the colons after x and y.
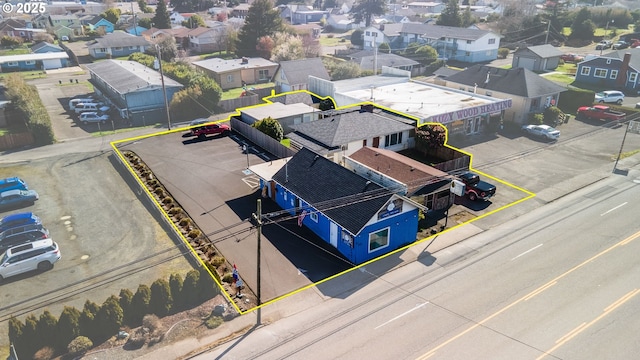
x: 253, y: 97
x: 261, y: 139
x: 12, y: 141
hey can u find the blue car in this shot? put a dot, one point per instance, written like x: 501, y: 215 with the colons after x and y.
x: 12, y: 183
x: 18, y: 219
x: 15, y: 198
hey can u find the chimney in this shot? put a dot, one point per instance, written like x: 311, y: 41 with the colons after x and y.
x: 622, y: 75
x: 245, y: 60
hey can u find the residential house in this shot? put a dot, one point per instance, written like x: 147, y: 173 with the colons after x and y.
x: 133, y: 89
x: 367, y: 60
x: 294, y: 74
x: 391, y: 19
x: 235, y: 73
x: 429, y: 7
x: 178, y: 18
x: 155, y: 34
x: 101, y: 25
x: 420, y: 182
x: 117, y: 44
x: 460, y: 44
x: 615, y: 70
x: 342, y: 132
x: 340, y: 22
x: 286, y: 115
x: 287, y: 11
x: 308, y: 16
x: 462, y: 112
x: 18, y: 28
x: 135, y: 30
x: 206, y: 40
x: 70, y: 21
x: 529, y: 92
x: 39, y: 61
x: 364, y: 220
x: 45, y: 47
x: 536, y: 58
x: 240, y: 11
x: 61, y: 31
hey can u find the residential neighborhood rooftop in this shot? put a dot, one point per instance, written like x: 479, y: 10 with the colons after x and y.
x: 221, y: 65
x: 127, y: 76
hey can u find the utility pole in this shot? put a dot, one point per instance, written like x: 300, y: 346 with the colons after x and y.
x: 257, y: 217
x: 546, y: 38
x: 615, y: 166
x: 164, y: 90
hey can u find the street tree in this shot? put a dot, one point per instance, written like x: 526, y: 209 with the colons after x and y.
x: 364, y: 10
x: 112, y: 15
x: 426, y: 54
x: 467, y: 19
x: 582, y: 28
x: 161, y: 20
x: 262, y: 20
x: 193, y: 22
x: 450, y: 16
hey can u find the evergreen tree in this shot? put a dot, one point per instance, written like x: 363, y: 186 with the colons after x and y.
x: 467, y: 19
x: 88, y: 326
x: 582, y: 26
x: 68, y: 327
x: 16, y: 334
x: 271, y: 127
x: 47, y: 329
x: 126, y: 296
x: 109, y: 317
x: 450, y: 16
x: 190, y: 288
x: 162, y: 20
x: 161, y: 299
x: 175, y: 284
x: 364, y: 10
x: 140, y: 304
x: 193, y: 22
x: 32, y: 342
x: 262, y: 20
x: 112, y: 15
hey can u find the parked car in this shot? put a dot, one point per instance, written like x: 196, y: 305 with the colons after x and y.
x: 542, y: 131
x: 475, y: 188
x: 38, y: 255
x: 610, y: 96
x: 620, y: 45
x: 212, y: 129
x: 86, y: 107
x: 18, y: 219
x: 93, y: 117
x: 22, y: 234
x: 12, y: 183
x: 14, y: 198
x: 635, y: 43
x: 76, y: 101
x: 604, y: 44
x: 571, y: 58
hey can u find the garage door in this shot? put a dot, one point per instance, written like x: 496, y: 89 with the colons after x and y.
x: 51, y: 64
x: 526, y: 63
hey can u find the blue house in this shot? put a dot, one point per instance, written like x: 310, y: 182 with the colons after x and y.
x: 99, y: 22
x: 117, y: 44
x: 27, y: 62
x: 358, y: 217
x: 45, y: 48
x: 136, y: 30
x: 616, y: 70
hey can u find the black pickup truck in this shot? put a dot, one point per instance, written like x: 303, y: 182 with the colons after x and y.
x: 475, y: 188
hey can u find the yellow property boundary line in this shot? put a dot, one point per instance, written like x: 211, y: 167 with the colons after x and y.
x: 528, y: 194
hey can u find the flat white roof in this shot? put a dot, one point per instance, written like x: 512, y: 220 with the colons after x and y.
x: 33, y: 57
x: 278, y: 110
x: 267, y: 170
x: 428, y: 102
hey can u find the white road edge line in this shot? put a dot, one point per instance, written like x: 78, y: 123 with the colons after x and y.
x: 528, y: 251
x: 615, y: 208
x: 401, y: 315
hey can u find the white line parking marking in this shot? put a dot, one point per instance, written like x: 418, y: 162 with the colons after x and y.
x: 615, y: 208
x: 526, y: 252
x: 401, y: 315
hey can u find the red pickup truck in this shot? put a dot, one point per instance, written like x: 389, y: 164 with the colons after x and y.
x: 599, y: 112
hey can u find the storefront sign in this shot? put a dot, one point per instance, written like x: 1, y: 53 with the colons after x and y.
x: 392, y: 207
x: 469, y: 112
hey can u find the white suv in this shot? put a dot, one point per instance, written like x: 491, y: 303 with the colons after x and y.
x: 610, y: 96
x: 37, y: 255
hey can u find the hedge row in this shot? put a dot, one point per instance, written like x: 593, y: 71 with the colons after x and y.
x: 27, y: 102
x: 99, y: 322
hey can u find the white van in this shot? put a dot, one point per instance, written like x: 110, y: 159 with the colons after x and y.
x: 94, y: 107
x: 74, y: 102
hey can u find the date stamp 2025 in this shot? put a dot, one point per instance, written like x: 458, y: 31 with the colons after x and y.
x: 30, y: 8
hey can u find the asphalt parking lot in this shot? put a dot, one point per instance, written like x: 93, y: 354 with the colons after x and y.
x: 108, y: 238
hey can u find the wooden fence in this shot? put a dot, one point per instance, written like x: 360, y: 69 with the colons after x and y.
x: 261, y: 139
x: 13, y: 141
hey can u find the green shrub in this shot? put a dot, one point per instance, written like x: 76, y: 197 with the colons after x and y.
x: 570, y: 100
x: 217, y: 261
x: 140, y: 303
x: 167, y: 200
x: 79, y: 345
x: 503, y: 53
x: 551, y: 115
x: 535, y: 119
x: 213, y: 322
x: 194, y: 233
x: 161, y: 299
x: 228, y: 278
x: 185, y: 222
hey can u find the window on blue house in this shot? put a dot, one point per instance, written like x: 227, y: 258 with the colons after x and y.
x: 313, y: 215
x: 379, y: 239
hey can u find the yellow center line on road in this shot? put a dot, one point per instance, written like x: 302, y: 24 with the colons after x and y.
x: 528, y: 296
x: 563, y: 340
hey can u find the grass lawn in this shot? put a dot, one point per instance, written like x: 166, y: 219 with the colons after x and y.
x: 286, y: 142
x: 235, y: 93
x: 564, y: 79
x: 334, y: 41
x: 507, y: 66
x: 27, y: 75
x: 16, y: 51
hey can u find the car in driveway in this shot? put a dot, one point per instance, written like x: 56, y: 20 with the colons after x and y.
x: 542, y: 131
x: 573, y: 58
x: 93, y: 117
x: 619, y: 45
x: 22, y: 234
x: 604, y: 44
x: 12, y: 183
x: 609, y: 96
x: 18, y: 219
x: 15, y: 198
x: 38, y: 255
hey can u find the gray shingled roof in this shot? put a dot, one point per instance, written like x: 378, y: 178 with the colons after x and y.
x: 346, y: 127
x: 391, y: 60
x: 129, y: 76
x: 317, y: 180
x: 520, y: 82
x: 634, y: 62
x: 298, y: 71
x: 293, y: 98
x: 118, y: 39
x: 43, y: 44
x: 543, y: 51
x: 437, y: 31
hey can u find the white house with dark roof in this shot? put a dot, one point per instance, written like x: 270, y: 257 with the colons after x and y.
x: 536, y: 58
x: 117, y: 44
x: 359, y: 218
x: 342, y: 132
x: 460, y: 44
x: 367, y: 60
x: 528, y: 91
x: 133, y: 89
x: 294, y: 74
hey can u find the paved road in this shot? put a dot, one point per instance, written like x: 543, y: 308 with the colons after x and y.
x: 552, y: 282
